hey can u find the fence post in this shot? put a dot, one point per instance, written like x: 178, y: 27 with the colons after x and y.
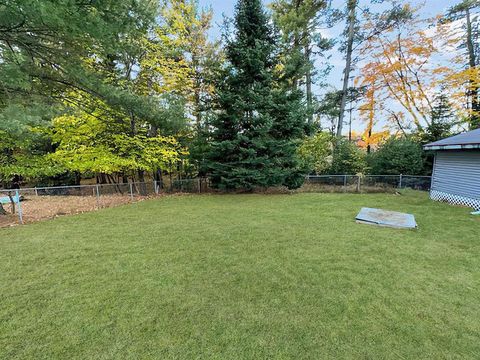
x: 400, y: 182
x: 131, y: 191
x: 358, y: 183
x: 199, y: 185
x: 36, y: 191
x: 155, y: 186
x: 98, y: 196
x: 344, y: 182
x: 19, y: 207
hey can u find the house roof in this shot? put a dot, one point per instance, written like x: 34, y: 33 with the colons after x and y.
x: 467, y: 140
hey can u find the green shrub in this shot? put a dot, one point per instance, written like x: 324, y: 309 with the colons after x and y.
x: 397, y: 156
x: 315, y: 153
x: 347, y: 158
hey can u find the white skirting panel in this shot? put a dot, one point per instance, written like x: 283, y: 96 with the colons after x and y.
x: 454, y: 199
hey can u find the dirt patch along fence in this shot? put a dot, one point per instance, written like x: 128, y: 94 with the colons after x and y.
x: 32, y: 204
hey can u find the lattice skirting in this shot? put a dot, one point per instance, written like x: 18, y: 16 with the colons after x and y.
x: 455, y: 199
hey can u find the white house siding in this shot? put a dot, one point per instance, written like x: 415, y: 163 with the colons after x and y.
x: 456, y: 177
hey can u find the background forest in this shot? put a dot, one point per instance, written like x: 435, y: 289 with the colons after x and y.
x: 115, y: 91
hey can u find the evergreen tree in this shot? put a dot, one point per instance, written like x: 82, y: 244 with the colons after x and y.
x: 442, y: 119
x: 260, y: 117
x: 300, y: 22
x: 50, y: 49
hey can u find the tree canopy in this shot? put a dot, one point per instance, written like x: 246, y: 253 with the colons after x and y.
x: 122, y: 90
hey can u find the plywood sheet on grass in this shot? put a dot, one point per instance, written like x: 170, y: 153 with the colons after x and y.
x: 387, y: 218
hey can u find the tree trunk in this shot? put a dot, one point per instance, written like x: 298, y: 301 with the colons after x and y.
x: 12, y: 202
x: 2, y: 210
x: 296, y: 47
x: 111, y: 180
x: 171, y: 177
x: 142, y: 186
x: 352, y: 4
x: 308, y: 83
x: 78, y: 178
x: 158, y: 176
x: 369, y: 146
x: 152, y: 131
x: 473, y: 91
x: 101, y: 178
x: 350, y: 125
x: 197, y: 98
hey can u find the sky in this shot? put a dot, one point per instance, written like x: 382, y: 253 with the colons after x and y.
x: 225, y: 8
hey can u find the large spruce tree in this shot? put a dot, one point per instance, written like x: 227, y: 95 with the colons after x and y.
x: 260, y: 117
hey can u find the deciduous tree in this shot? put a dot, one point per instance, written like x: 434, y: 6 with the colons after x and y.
x: 363, y: 28
x: 315, y: 152
x: 401, y: 68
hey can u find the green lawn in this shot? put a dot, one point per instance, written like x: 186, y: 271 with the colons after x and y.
x: 243, y: 277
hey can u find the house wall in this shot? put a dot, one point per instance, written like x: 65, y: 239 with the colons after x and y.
x: 456, y: 177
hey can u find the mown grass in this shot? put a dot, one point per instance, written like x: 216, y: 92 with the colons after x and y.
x: 243, y: 277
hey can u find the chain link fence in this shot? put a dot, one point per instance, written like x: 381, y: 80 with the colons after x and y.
x: 32, y: 204
x: 365, y: 183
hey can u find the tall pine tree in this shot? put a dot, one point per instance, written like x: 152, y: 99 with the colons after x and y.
x: 260, y: 118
